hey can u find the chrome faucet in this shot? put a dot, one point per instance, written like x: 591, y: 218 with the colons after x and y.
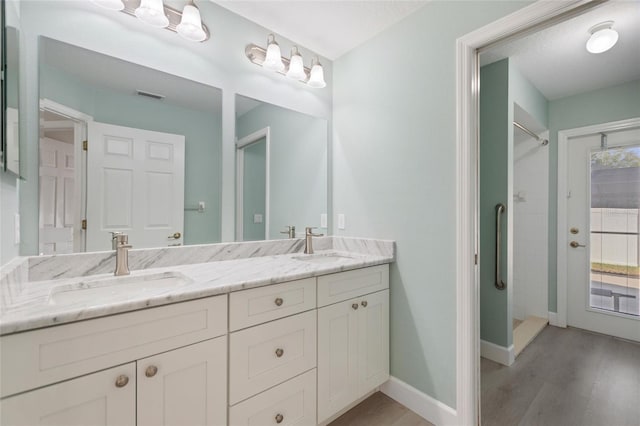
x: 308, y: 239
x: 122, y: 254
x: 290, y: 231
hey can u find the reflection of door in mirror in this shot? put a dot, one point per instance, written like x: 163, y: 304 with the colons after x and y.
x: 253, y: 187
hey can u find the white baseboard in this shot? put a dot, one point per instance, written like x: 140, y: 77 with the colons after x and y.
x: 553, y: 320
x: 497, y: 353
x: 420, y: 403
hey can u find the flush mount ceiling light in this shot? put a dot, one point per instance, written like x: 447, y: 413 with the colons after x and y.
x: 271, y: 59
x: 603, y: 37
x: 188, y: 23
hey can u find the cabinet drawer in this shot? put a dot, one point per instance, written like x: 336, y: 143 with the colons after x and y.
x: 266, y: 355
x: 95, y: 399
x: 291, y: 403
x: 346, y: 285
x: 41, y: 357
x: 258, y: 305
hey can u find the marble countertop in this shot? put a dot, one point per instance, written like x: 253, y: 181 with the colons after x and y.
x: 32, y: 307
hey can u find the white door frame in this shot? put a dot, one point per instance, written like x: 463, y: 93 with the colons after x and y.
x: 80, y: 125
x: 527, y: 19
x: 240, y: 145
x: 563, y: 158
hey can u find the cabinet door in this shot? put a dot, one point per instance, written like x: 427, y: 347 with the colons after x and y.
x: 337, y: 357
x: 186, y: 386
x: 104, y: 398
x: 373, y: 341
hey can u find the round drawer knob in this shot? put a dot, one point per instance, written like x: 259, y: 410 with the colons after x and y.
x: 364, y: 303
x: 151, y: 371
x: 122, y: 381
x: 279, y: 352
x: 279, y: 301
x: 279, y: 418
x: 354, y: 306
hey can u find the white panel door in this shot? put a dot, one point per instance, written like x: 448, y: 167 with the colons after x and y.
x: 337, y: 357
x: 602, y: 210
x: 135, y: 185
x: 57, y: 203
x: 186, y: 386
x: 373, y: 341
x: 104, y: 398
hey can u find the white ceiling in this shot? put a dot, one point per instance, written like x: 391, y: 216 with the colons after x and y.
x: 125, y: 77
x: 330, y: 27
x: 556, y: 61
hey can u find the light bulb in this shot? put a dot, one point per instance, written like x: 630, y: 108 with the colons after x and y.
x: 190, y: 27
x: 316, y: 77
x: 296, y: 66
x: 273, y: 59
x: 110, y: 4
x: 602, y: 37
x: 152, y: 12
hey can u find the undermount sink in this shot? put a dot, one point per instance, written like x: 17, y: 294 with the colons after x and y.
x: 124, y: 286
x: 322, y: 258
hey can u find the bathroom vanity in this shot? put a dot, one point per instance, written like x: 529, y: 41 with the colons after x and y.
x: 280, y: 339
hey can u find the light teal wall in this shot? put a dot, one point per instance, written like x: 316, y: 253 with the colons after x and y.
x: 595, y: 107
x: 502, y: 86
x: 254, y: 190
x: 202, y: 131
x: 495, y: 132
x: 394, y: 161
x: 219, y: 62
x: 298, y: 165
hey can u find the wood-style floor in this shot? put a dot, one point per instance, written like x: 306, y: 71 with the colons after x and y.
x: 565, y: 377
x: 379, y: 410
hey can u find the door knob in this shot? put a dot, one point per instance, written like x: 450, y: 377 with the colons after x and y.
x: 575, y: 244
x: 279, y: 301
x: 175, y: 236
x: 151, y: 371
x: 354, y: 306
x: 122, y: 381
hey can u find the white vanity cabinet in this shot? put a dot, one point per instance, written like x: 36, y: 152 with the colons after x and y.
x: 353, y: 338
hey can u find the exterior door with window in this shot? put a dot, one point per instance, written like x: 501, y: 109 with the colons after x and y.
x: 603, y: 221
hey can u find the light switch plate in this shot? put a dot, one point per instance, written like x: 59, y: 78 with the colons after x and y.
x: 257, y: 218
x: 341, y: 221
x: 323, y: 220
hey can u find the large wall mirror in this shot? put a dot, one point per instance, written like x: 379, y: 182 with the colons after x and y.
x: 124, y: 148
x: 281, y: 170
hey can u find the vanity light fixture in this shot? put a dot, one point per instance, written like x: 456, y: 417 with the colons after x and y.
x: 190, y: 27
x: 293, y: 67
x: 603, y: 37
x: 188, y: 23
x: 296, y: 66
x: 273, y: 59
x: 152, y: 12
x: 316, y: 77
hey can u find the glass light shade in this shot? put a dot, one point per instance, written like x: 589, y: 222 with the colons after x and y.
x: 152, y: 12
x: 316, y: 78
x: 110, y: 4
x: 296, y: 68
x: 602, y: 40
x: 190, y: 27
x: 273, y: 60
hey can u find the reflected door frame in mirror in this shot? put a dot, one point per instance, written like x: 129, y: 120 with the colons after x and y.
x: 241, y: 144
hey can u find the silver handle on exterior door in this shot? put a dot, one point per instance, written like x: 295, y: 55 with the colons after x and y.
x: 500, y: 208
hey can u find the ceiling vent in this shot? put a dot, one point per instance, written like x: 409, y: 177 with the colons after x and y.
x: 155, y: 96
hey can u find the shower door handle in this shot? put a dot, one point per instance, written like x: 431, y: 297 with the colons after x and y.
x: 500, y: 208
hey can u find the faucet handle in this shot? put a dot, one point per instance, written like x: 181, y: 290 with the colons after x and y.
x: 309, y: 231
x: 121, y: 238
x: 286, y: 231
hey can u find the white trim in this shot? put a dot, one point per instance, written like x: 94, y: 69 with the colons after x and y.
x: 497, y: 353
x: 49, y: 105
x: 562, y: 236
x: 467, y: 114
x: 240, y: 145
x: 420, y: 403
x: 553, y: 320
